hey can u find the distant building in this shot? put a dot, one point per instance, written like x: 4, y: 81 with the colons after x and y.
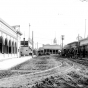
x: 84, y: 47
x: 24, y: 43
x: 71, y: 45
x: 54, y: 41
x: 25, y: 49
x: 81, y: 43
x: 50, y: 49
x: 9, y: 41
x: 84, y: 42
x: 80, y: 46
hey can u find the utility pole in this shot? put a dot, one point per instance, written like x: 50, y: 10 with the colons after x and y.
x: 29, y: 34
x: 85, y: 29
x: 78, y: 40
x: 62, y: 37
x: 32, y: 44
x: 78, y: 46
x: 37, y: 45
x: 29, y: 30
x: 24, y: 38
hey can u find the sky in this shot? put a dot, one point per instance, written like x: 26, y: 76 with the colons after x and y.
x: 48, y: 19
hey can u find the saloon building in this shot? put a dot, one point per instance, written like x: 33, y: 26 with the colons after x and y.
x: 9, y: 41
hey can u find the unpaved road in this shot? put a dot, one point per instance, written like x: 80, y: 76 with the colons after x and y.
x: 52, y: 67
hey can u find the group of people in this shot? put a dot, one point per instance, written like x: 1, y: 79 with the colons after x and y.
x: 74, y: 53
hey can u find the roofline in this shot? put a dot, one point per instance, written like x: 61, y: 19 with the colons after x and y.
x: 83, y: 39
x: 47, y: 48
x: 19, y: 32
x: 72, y: 42
x: 7, y: 25
x: 51, y: 45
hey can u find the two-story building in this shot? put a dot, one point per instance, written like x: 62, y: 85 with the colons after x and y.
x: 9, y: 41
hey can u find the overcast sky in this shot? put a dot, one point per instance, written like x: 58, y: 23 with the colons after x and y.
x: 48, y: 18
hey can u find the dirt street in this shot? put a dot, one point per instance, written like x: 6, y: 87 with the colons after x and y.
x: 35, y: 71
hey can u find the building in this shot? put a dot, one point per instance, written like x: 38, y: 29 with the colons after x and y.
x: 78, y: 48
x: 49, y: 49
x: 24, y: 43
x: 84, y: 47
x: 71, y: 45
x: 25, y: 49
x: 9, y: 41
x: 81, y: 43
x: 84, y: 42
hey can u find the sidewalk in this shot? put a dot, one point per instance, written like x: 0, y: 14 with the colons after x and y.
x: 6, y: 64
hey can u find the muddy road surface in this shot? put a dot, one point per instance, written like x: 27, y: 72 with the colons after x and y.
x: 46, y: 72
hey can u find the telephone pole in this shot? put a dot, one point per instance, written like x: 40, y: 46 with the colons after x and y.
x: 24, y: 38
x: 37, y: 45
x: 62, y: 37
x: 29, y: 35
x: 32, y: 45
x: 29, y: 30
x: 78, y: 40
x: 85, y: 29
